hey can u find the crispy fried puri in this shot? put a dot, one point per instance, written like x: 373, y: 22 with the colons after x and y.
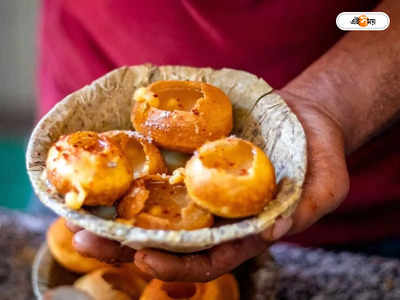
x: 112, y: 284
x: 88, y: 169
x: 59, y: 240
x: 154, y: 203
x: 222, y: 288
x: 182, y: 115
x: 230, y: 177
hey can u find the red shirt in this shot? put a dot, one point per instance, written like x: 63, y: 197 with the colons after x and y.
x: 276, y: 40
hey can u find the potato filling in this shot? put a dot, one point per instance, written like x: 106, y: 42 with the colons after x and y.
x: 144, y: 95
x: 165, y: 200
x: 234, y: 157
x: 154, y: 203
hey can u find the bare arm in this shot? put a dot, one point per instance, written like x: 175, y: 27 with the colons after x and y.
x: 358, y: 80
x: 355, y: 88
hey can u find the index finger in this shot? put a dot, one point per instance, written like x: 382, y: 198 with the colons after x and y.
x: 202, y: 266
x: 109, y: 251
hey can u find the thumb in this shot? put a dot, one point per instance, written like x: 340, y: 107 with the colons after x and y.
x: 281, y: 226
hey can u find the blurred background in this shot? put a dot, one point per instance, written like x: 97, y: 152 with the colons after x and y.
x: 17, y: 98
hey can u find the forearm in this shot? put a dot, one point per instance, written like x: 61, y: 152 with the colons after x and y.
x: 358, y: 80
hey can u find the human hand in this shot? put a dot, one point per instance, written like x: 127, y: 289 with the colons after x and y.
x: 326, y: 185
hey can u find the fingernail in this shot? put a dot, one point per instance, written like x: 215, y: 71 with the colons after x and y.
x: 140, y: 262
x: 72, y: 227
x: 281, y: 227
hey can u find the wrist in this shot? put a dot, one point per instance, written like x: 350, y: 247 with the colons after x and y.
x: 301, y: 103
x: 324, y: 95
